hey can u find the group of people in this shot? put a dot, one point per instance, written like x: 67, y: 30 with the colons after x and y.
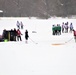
x: 56, y: 29
x: 65, y: 27
x: 14, y: 35
x: 19, y: 35
x: 20, y: 25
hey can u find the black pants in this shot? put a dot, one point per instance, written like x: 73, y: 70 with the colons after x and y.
x: 14, y: 38
x: 19, y: 37
x: 75, y: 38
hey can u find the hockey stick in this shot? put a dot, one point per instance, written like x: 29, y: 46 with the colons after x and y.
x: 56, y: 44
x: 69, y: 40
x: 33, y: 41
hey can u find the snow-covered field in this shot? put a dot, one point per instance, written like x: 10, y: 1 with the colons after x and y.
x: 38, y: 57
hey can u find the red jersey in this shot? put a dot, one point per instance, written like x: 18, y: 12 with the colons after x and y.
x: 74, y: 33
x: 18, y: 32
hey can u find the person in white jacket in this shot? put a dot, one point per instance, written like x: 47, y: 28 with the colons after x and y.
x: 18, y: 25
x: 71, y: 27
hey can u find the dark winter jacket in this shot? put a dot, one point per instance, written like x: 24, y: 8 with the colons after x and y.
x: 15, y: 32
x: 26, y: 35
x: 4, y: 34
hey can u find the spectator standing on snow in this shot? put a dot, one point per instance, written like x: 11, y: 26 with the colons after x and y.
x: 21, y: 25
x: 11, y: 35
x: 18, y: 25
x: 53, y: 31
x: 63, y: 27
x: 74, y: 32
x: 19, y: 35
x: 26, y: 35
x: 71, y: 27
x: 4, y: 35
x: 1, y: 39
x: 58, y: 29
x: 66, y: 27
x: 15, y: 34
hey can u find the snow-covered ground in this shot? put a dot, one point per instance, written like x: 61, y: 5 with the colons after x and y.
x: 38, y: 57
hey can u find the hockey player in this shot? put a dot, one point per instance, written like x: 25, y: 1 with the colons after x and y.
x: 19, y: 35
x: 11, y: 36
x: 66, y: 27
x: 26, y: 36
x: 18, y: 25
x: 71, y: 27
x: 74, y: 32
x: 63, y: 27
x: 4, y: 34
x: 58, y: 29
x: 21, y: 25
x: 15, y: 34
x: 53, y: 31
x: 1, y: 39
